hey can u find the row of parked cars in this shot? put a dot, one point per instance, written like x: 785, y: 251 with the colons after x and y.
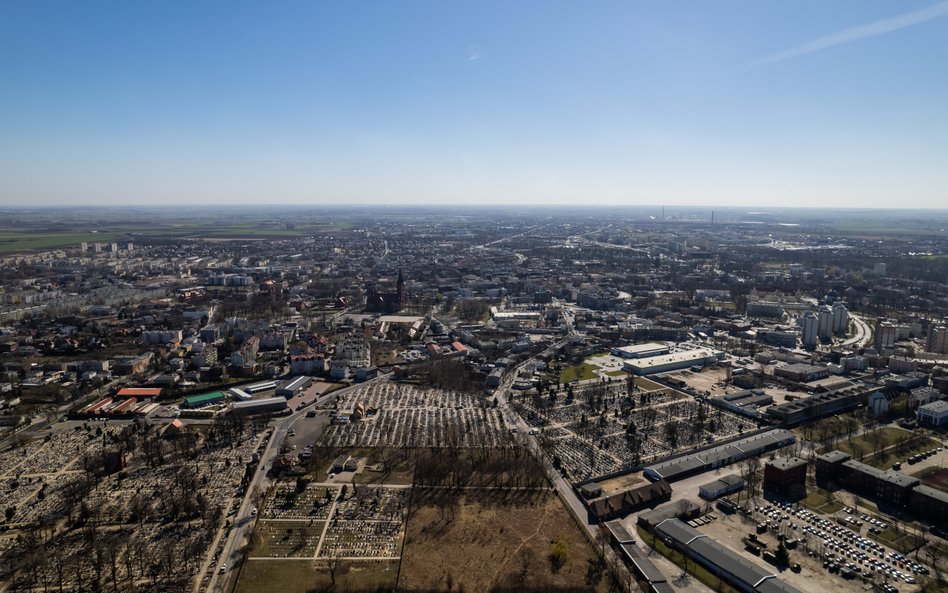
x: 851, y: 554
x: 923, y: 456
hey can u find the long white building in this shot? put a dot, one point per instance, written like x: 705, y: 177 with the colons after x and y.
x: 673, y: 361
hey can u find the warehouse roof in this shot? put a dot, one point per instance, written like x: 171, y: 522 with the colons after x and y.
x: 900, y: 479
x: 775, y: 585
x: 740, y: 448
x: 204, y: 398
x: 648, y: 570
x: 713, y: 552
x: 260, y: 403
x: 139, y: 392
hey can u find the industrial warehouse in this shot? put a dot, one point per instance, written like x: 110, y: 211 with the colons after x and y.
x: 734, y: 569
x: 720, y: 455
x: 660, y: 363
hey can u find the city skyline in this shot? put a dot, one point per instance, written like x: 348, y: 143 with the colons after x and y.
x: 734, y: 104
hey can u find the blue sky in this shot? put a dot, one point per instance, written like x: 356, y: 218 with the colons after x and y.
x: 808, y: 103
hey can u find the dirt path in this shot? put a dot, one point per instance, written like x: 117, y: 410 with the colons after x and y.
x: 517, y: 549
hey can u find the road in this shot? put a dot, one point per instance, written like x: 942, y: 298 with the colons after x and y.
x: 524, y: 430
x: 863, y: 333
x: 243, y: 522
x: 502, y: 239
x: 567, y: 494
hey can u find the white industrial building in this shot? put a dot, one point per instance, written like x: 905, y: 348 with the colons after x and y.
x: 293, y: 387
x: 641, y: 350
x: 673, y: 361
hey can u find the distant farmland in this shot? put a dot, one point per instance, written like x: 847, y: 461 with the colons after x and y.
x: 15, y: 241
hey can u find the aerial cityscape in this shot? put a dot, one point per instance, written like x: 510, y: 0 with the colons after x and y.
x: 427, y: 399
x: 474, y: 297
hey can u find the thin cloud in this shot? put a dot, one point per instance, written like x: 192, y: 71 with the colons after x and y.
x: 880, y: 27
x: 474, y: 53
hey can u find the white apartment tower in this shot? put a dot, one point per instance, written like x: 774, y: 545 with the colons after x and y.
x: 810, y: 326
x: 825, y: 329
x: 840, y: 319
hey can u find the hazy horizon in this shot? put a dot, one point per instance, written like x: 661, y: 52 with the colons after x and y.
x: 731, y: 104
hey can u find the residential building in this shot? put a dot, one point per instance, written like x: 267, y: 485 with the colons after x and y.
x: 810, y: 326
x: 786, y: 477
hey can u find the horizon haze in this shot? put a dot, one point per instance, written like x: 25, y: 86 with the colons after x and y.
x: 419, y: 103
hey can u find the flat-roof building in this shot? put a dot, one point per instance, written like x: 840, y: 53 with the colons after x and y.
x: 293, y: 387
x: 269, y: 405
x: 720, y: 455
x: 204, y: 399
x: 672, y: 362
x: 139, y: 392
x: 933, y: 414
x: 818, y: 406
x: 721, y: 487
x: 786, y: 477
x: 641, y: 350
x: 720, y: 560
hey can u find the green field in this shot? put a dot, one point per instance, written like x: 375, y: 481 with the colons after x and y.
x: 29, y: 241
x: 14, y: 240
x: 301, y: 576
x: 822, y: 501
x: 580, y: 372
x: 902, y: 541
x: 889, y: 438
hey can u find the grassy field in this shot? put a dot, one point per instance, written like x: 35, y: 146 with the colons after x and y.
x: 13, y: 241
x: 454, y: 542
x: 383, y: 466
x: 300, y: 576
x: 905, y: 543
x: 889, y: 438
x: 648, y: 384
x: 28, y: 241
x: 821, y: 501
x: 580, y: 372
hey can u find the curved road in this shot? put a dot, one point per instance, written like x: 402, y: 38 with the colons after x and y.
x: 863, y: 333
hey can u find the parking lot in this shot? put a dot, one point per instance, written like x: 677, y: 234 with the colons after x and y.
x: 834, y: 552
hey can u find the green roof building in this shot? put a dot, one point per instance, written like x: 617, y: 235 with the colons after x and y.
x: 204, y: 399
